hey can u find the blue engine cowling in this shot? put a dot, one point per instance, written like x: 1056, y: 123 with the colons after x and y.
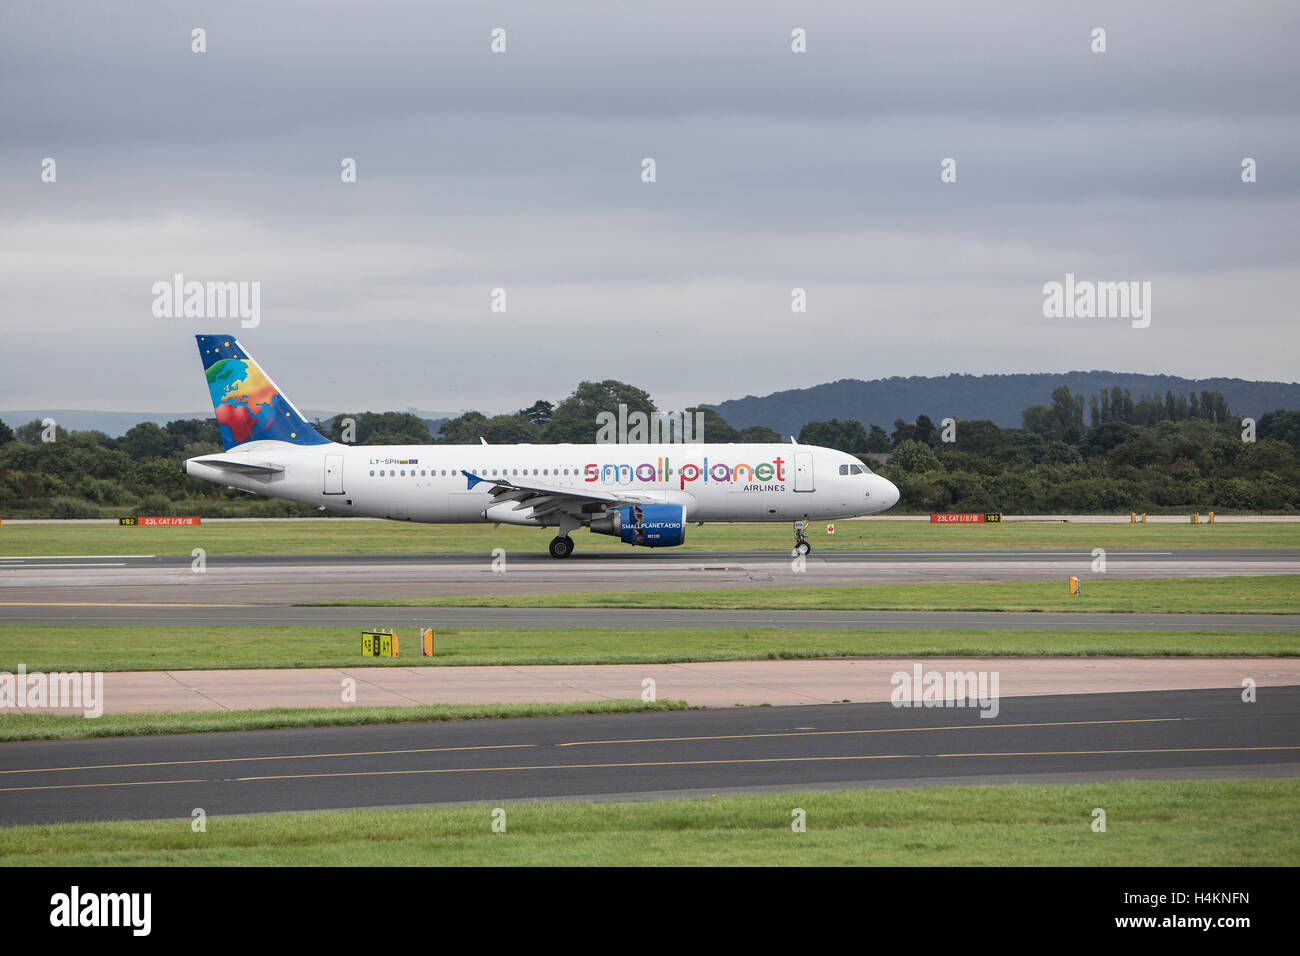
x: 650, y: 526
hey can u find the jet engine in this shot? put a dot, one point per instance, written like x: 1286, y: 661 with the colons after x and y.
x: 651, y: 526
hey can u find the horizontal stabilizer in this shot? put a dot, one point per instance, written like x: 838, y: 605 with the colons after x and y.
x: 241, y: 467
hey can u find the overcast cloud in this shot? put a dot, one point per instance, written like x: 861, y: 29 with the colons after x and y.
x: 522, y: 171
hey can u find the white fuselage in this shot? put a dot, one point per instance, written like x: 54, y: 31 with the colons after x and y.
x: 713, y: 482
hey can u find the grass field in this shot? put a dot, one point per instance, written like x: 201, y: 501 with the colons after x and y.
x: 1264, y: 594
x: 1168, y: 823
x: 31, y: 726
x: 319, y: 536
x: 163, y: 647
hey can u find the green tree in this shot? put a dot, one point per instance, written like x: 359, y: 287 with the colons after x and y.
x: 64, y: 506
x: 464, y: 429
x: 575, y: 418
x: 539, y: 413
x: 383, y: 428
x: 913, y: 457
x: 6, y: 433
x: 761, y: 434
x: 925, y: 431
x: 877, y: 440
x: 716, y: 428
x: 981, y: 437
x: 510, y: 430
x: 1280, y: 425
x: 903, y: 431
x: 30, y: 434
x: 185, y: 431
x: 147, y: 440
x: 848, y: 436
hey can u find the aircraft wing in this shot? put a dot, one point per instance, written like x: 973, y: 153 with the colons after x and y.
x: 545, y: 499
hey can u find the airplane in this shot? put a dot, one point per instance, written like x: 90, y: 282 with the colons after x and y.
x: 643, y: 494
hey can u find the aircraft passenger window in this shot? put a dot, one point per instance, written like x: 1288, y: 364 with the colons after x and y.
x: 381, y: 473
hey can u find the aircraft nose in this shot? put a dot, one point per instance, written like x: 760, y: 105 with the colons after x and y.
x: 889, y: 492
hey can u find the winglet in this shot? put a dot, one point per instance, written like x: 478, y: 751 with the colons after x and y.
x: 472, y: 479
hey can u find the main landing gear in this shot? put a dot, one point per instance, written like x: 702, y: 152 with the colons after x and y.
x: 561, y: 546
x: 801, y: 545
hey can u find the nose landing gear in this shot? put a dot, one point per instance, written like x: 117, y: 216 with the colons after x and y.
x: 801, y: 545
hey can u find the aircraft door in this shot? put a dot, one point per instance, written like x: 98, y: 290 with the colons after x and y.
x: 333, y: 475
x: 803, y: 471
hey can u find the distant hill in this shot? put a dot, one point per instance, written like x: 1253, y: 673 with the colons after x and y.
x: 997, y: 397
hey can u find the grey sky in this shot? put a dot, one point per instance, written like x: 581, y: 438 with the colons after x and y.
x: 522, y: 170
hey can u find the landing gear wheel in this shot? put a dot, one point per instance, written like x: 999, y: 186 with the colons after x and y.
x: 803, y: 547
x: 561, y: 546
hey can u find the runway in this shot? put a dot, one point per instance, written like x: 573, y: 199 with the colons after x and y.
x: 1176, y: 734
x: 289, y: 579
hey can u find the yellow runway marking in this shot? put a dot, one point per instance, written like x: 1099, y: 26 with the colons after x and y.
x: 694, y: 763
x: 584, y: 743
x: 179, y: 763
x: 657, y: 763
x: 883, y: 730
x: 88, y: 786
x: 1073, y: 753
x: 105, y: 604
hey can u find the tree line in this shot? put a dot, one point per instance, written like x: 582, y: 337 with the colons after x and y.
x: 1151, y: 454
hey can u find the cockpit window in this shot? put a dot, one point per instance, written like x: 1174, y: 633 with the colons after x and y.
x: 857, y: 470
x: 844, y: 469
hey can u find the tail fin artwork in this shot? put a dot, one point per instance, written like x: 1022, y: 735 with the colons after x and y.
x: 249, y: 407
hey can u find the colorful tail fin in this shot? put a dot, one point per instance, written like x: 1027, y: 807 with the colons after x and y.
x: 249, y: 407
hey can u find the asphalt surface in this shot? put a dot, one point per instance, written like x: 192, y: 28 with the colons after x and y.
x: 261, y: 589
x: 295, y: 579
x: 645, y: 556
x: 1173, y: 734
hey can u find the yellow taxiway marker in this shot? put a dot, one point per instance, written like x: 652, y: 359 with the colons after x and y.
x: 88, y: 786
x: 180, y: 763
x: 882, y: 730
x: 695, y: 763
x: 656, y: 763
x: 105, y: 604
